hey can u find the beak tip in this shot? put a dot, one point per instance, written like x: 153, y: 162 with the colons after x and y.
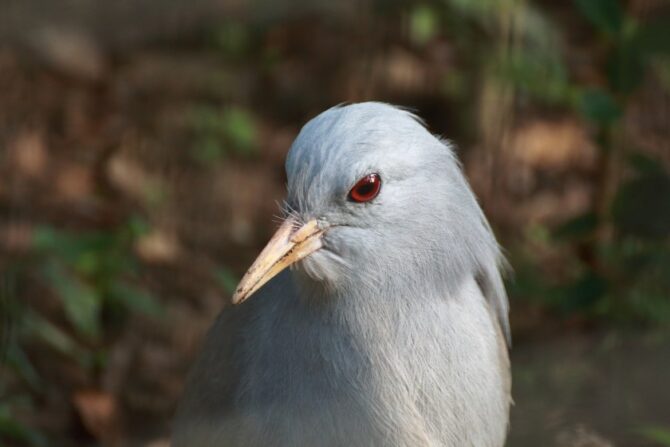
x: 237, y: 298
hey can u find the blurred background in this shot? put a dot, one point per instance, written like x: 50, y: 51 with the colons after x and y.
x: 141, y: 161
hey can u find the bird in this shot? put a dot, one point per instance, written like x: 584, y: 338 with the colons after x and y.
x: 375, y: 316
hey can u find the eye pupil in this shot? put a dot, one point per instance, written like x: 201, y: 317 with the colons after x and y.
x: 366, y: 188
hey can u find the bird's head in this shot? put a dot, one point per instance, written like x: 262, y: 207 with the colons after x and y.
x: 374, y: 198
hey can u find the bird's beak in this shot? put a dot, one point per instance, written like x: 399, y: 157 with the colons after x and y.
x: 289, y: 245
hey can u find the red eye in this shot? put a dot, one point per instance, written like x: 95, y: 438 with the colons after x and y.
x: 366, y: 188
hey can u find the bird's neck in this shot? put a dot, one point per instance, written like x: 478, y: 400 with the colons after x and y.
x: 375, y: 309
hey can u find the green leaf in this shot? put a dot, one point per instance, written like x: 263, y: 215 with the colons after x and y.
x: 577, y: 227
x: 654, y: 36
x: 17, y: 358
x: 51, y: 241
x: 89, y: 262
x: 80, y: 301
x: 208, y: 149
x: 136, y: 226
x: 36, y: 326
x: 626, y: 65
x: 605, y: 15
x: 240, y: 129
x: 599, y: 107
x: 218, y: 130
x: 484, y: 11
x: 583, y: 294
x: 454, y: 84
x: 232, y: 38
x: 227, y: 280
x: 644, y: 164
x: 204, y: 118
x: 649, y: 305
x: 13, y: 429
x: 657, y: 434
x: 44, y: 238
x: 70, y: 247
x: 538, y: 73
x: 135, y: 299
x: 423, y: 24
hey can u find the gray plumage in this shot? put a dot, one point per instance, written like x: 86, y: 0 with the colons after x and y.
x: 392, y: 334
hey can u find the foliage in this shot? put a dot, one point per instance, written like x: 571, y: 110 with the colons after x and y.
x: 606, y: 15
x: 232, y: 38
x: 226, y: 279
x: 660, y: 435
x: 219, y: 132
x: 93, y: 274
x: 423, y: 24
x: 627, y: 278
x: 11, y: 428
x: 616, y: 254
